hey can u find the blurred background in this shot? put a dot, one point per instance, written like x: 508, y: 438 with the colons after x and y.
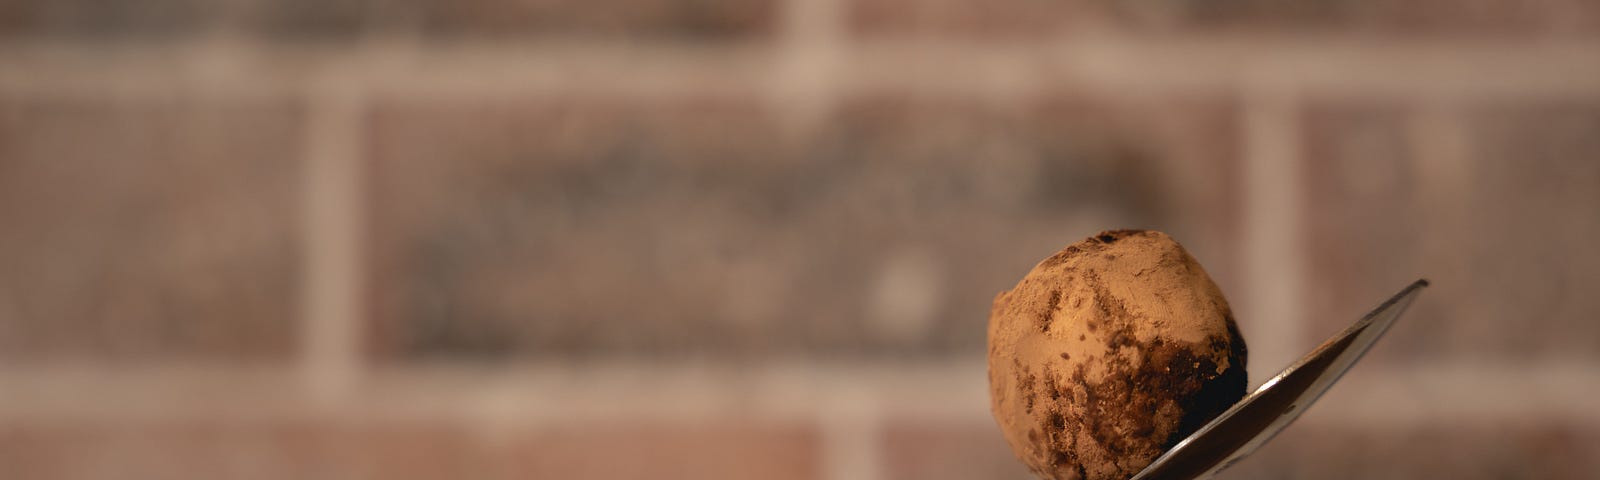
x: 735, y: 239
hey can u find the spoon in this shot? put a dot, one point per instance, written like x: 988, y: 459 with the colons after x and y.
x: 1240, y: 430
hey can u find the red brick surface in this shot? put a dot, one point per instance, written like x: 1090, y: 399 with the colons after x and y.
x: 1364, y: 226
x: 1478, y: 18
x: 1432, y: 451
x: 300, y: 21
x: 148, y: 228
x: 1026, y: 18
x: 967, y: 18
x: 681, y: 19
x: 580, y: 228
x: 330, y: 449
x: 920, y: 450
x: 240, y: 450
x: 296, y: 21
x: 90, y: 20
x: 1534, y: 210
x: 708, y: 239
x: 1499, y: 231
x: 684, y: 452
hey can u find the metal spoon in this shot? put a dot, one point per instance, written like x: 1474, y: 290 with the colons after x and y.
x: 1242, y: 429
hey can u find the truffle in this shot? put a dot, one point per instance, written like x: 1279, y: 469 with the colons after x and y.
x: 1108, y: 353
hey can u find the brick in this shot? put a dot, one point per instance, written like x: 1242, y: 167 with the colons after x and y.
x: 1500, y: 238
x: 924, y: 450
x: 147, y: 228
x: 1362, y: 206
x: 297, y: 21
x: 324, y: 20
x: 332, y: 449
x: 572, y: 228
x: 1468, y: 451
x: 99, y: 20
x: 678, y: 19
x: 666, y: 451
x: 688, y: 20
x: 1001, y: 19
x: 589, y: 227
x: 1535, y: 202
x: 1478, y: 18
x: 242, y: 450
x: 1027, y: 18
x: 931, y: 450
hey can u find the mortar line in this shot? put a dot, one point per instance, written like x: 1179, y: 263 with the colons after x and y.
x: 810, y: 61
x: 803, y: 85
x: 330, y: 354
x: 1438, y: 392
x: 1274, y: 314
x: 851, y: 435
x: 804, y: 91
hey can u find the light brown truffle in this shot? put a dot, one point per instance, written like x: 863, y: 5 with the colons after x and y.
x: 1108, y: 353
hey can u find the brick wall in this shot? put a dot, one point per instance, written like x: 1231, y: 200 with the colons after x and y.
x: 708, y: 239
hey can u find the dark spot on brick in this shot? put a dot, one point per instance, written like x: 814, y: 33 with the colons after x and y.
x: 1081, y: 337
x: 1065, y: 356
x: 1106, y: 238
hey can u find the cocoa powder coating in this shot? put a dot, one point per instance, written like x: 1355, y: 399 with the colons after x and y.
x: 1108, y: 353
